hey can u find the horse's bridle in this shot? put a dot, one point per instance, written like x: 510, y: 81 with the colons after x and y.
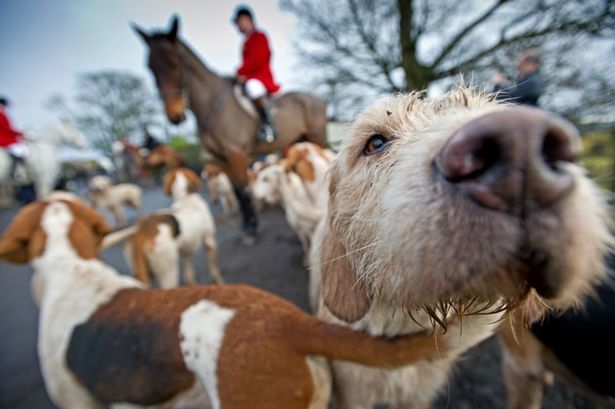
x: 178, y: 92
x: 181, y: 92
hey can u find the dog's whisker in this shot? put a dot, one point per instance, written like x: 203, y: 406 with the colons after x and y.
x: 344, y: 255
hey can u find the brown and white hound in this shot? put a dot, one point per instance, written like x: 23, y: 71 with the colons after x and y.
x: 157, y: 242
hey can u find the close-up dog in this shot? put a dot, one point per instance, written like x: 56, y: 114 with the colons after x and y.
x: 459, y: 206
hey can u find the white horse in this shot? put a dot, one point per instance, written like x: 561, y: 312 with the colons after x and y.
x: 42, y: 160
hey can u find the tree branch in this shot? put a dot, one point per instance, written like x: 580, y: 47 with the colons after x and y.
x: 577, y: 25
x: 369, y: 43
x: 460, y: 36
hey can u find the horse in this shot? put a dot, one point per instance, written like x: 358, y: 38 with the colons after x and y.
x: 42, y: 161
x: 162, y: 156
x: 226, y: 127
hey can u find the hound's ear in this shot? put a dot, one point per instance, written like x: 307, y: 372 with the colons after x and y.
x: 194, y: 182
x: 16, y: 238
x: 172, y: 34
x: 293, y: 155
x: 297, y: 161
x: 343, y: 293
x: 140, y: 32
x: 91, y: 218
x: 167, y: 182
x: 286, y: 165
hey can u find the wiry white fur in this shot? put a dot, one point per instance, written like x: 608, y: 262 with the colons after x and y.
x: 417, y: 384
x: 202, y: 330
x: 412, y: 243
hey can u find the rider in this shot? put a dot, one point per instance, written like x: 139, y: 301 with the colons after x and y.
x: 255, y: 71
x: 10, y: 139
x: 527, y: 89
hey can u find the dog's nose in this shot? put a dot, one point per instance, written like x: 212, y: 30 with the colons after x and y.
x: 511, y: 158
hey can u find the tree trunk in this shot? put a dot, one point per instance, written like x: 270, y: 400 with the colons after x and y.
x: 417, y: 76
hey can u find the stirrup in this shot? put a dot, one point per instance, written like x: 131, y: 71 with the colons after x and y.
x: 267, y: 133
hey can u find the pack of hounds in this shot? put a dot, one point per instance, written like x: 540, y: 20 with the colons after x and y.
x: 439, y: 224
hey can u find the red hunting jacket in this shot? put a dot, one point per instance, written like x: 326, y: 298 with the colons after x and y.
x: 8, y: 135
x: 256, y: 58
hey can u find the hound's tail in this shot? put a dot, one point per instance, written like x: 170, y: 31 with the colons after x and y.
x: 342, y: 343
x: 116, y: 237
x: 140, y: 267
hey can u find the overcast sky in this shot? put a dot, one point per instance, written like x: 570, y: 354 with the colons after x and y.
x: 46, y: 43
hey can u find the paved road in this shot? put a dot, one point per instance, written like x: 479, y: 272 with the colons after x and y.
x: 274, y: 263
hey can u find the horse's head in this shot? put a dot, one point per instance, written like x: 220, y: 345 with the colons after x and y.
x: 166, y: 66
x: 60, y: 132
x: 68, y: 133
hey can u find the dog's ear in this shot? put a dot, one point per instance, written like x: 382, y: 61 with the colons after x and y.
x: 167, y: 182
x: 91, y: 219
x: 294, y: 154
x: 194, y: 182
x: 296, y: 160
x: 343, y: 293
x: 16, y: 240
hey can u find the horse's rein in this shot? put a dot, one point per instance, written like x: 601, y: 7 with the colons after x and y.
x: 207, y: 120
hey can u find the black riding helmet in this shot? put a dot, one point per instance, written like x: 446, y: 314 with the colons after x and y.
x: 242, y: 10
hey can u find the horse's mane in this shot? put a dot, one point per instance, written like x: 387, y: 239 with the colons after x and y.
x: 162, y: 36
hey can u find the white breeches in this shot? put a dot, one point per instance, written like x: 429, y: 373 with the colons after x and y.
x: 255, y: 89
x: 18, y: 149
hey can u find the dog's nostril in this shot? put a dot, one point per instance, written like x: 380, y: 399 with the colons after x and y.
x: 472, y: 160
x: 508, y: 159
x: 557, y: 147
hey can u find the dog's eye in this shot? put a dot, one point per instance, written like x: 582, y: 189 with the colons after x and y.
x: 376, y: 144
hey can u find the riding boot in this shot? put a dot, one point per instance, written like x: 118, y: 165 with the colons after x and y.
x: 16, y: 162
x: 267, y: 130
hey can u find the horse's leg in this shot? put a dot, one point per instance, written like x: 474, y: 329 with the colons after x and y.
x: 238, y: 172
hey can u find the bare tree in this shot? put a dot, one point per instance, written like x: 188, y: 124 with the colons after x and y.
x: 109, y: 105
x: 370, y: 47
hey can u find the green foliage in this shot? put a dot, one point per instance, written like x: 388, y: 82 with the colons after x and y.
x: 180, y: 142
x: 599, y: 157
x: 189, y: 151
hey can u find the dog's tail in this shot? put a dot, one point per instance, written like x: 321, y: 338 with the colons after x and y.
x: 336, y: 342
x: 140, y: 266
x: 116, y: 237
